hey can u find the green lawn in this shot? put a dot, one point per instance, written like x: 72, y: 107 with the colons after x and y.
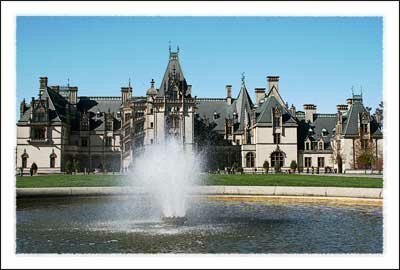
x: 293, y: 180
x: 229, y: 180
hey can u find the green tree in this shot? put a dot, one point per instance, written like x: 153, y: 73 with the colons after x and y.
x: 68, y: 167
x: 293, y: 166
x: 76, y: 165
x: 266, y: 166
x: 366, y: 159
x: 277, y: 167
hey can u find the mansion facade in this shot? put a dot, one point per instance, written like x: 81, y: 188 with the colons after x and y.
x: 109, y: 131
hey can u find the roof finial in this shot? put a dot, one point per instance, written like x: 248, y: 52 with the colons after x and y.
x: 352, y: 90
x: 361, y: 89
x: 152, y: 83
x: 169, y: 43
x: 129, y: 84
x: 177, y: 48
x: 68, y: 82
x: 243, y: 77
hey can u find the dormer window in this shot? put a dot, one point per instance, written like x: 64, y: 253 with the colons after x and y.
x: 84, y: 125
x: 98, y: 114
x: 118, y: 115
x: 364, y: 128
x: 324, y: 132
x: 216, y: 115
x: 320, y: 146
x: 307, y: 145
x: 277, y: 115
x: 364, y: 122
x: 109, y: 125
x: 85, y: 122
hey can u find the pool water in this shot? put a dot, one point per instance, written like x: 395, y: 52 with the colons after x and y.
x: 133, y: 225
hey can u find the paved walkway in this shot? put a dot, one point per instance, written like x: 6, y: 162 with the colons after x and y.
x: 375, y: 193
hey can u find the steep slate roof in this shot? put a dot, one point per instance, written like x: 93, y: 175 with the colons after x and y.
x: 57, y: 104
x: 100, y: 104
x: 320, y: 122
x: 243, y: 106
x: 264, y: 112
x: 351, y: 120
x: 206, y: 108
x: 173, y: 66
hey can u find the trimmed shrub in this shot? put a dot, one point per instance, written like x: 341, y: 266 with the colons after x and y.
x: 293, y: 166
x: 277, y: 167
x: 266, y: 166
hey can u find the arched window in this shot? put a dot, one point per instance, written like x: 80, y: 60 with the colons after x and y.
x: 277, y: 157
x: 250, y: 160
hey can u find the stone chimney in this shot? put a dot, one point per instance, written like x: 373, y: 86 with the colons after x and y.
x: 73, y: 94
x: 273, y: 82
x: 260, y: 94
x: 126, y: 93
x: 293, y: 110
x: 43, y: 85
x: 309, y: 111
x: 342, y: 108
x: 228, y: 94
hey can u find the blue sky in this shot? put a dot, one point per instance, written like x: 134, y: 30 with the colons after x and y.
x: 318, y: 59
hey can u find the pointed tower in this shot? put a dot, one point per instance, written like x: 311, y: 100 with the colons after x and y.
x: 173, y: 84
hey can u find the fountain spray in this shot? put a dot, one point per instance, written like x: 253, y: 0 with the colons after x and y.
x: 167, y: 172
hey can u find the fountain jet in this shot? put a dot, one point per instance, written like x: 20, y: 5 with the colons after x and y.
x: 167, y: 172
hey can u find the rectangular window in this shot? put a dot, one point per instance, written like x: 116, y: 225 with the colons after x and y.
x: 109, y: 125
x: 277, y: 121
x: 307, y: 146
x: 307, y: 162
x: 84, y: 125
x: 364, y: 144
x: 151, y: 141
x: 237, y: 142
x: 338, y: 145
x: 84, y: 141
x: 364, y: 128
x: 321, y: 162
x: 108, y: 141
x: 38, y: 133
x: 277, y: 138
x: 228, y: 130
x: 320, y: 146
x: 151, y: 124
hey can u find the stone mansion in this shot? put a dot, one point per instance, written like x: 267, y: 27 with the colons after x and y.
x: 109, y: 131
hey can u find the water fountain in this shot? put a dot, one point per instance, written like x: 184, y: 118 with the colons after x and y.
x: 167, y: 172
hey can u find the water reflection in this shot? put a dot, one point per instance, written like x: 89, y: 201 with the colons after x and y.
x: 133, y: 225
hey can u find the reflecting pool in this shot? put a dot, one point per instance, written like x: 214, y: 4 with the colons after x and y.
x: 133, y: 225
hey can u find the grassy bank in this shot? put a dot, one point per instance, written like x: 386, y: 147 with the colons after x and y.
x: 294, y: 180
x: 228, y: 180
